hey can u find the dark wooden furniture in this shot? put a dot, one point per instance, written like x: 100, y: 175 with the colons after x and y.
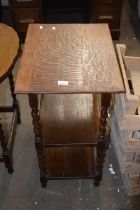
x: 92, y: 11
x: 107, y: 11
x: 68, y: 64
x: 9, y: 46
x: 25, y: 12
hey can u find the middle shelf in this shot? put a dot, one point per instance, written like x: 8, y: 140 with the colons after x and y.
x: 69, y: 118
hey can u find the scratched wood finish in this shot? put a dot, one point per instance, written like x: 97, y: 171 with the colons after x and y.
x: 82, y: 54
x: 9, y: 45
x: 69, y: 119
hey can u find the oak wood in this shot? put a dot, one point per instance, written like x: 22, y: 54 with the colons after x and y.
x: 69, y: 58
x: 70, y: 162
x: 82, y: 54
x: 9, y: 45
x: 69, y: 119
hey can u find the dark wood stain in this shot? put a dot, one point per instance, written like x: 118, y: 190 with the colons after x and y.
x: 69, y: 119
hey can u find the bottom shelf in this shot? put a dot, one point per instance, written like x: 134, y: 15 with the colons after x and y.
x: 66, y: 119
x: 70, y: 162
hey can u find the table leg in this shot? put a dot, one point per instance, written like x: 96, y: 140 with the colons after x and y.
x: 6, y: 155
x: 33, y: 101
x: 15, y: 102
x: 101, y: 139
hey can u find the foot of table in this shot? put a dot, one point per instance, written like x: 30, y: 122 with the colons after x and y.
x: 5, y: 153
x: 9, y: 163
x: 43, y: 178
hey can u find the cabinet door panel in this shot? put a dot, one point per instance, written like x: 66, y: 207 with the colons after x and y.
x: 23, y: 16
x: 107, y: 12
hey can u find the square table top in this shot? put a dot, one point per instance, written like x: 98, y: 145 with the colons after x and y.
x: 69, y: 58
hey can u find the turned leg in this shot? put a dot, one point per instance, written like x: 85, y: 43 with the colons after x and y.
x: 33, y: 101
x: 15, y: 102
x: 101, y: 139
x: 6, y: 155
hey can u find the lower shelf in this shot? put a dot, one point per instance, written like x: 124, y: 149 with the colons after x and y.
x: 70, y: 162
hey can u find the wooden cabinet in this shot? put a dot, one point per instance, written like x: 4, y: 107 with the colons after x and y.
x: 107, y: 11
x: 25, y: 12
x: 94, y: 11
x: 23, y: 16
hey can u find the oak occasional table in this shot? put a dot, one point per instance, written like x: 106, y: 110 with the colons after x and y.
x: 68, y: 65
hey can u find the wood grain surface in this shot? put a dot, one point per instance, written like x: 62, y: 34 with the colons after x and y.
x: 69, y: 118
x: 69, y: 162
x: 69, y: 58
x: 9, y: 44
